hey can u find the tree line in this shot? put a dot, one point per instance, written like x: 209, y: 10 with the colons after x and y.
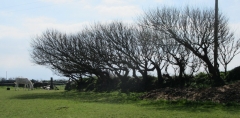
x: 162, y: 39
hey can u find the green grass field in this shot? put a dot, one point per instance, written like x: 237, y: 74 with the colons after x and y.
x: 61, y: 104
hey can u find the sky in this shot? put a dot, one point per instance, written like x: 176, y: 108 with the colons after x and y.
x: 22, y: 20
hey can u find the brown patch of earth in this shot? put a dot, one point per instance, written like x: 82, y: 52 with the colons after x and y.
x: 224, y: 94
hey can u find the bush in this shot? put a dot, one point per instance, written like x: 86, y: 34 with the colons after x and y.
x: 233, y: 75
x: 70, y: 86
x: 201, y: 80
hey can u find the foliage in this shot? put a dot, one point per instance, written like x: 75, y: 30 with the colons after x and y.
x: 200, y: 80
x: 233, y: 75
x: 129, y: 84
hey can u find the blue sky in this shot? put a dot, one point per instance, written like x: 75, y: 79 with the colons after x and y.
x: 22, y: 20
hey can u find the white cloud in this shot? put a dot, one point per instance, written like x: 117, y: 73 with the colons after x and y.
x: 57, y: 1
x: 113, y: 2
x: 118, y: 11
x: 15, y: 40
x: 5, y: 14
x: 235, y: 28
x: 159, y: 1
x: 16, y: 60
x: 40, y: 24
x: 11, y: 32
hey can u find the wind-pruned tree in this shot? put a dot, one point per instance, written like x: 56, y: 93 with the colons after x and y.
x: 131, y: 45
x: 95, y: 51
x: 176, y: 55
x: 180, y: 38
x: 68, y: 55
x: 191, y: 27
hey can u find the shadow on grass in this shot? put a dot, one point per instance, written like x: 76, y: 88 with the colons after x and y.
x: 113, y: 97
x: 132, y: 98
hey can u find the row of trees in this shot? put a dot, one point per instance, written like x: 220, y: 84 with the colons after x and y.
x: 181, y: 39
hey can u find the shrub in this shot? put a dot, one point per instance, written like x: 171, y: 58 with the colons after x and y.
x: 200, y: 80
x: 233, y: 75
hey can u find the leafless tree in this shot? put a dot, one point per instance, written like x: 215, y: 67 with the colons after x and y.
x: 130, y: 46
x: 67, y: 55
x: 194, y: 65
x: 228, y: 49
x: 176, y: 54
x: 108, y: 52
x: 192, y: 28
x: 150, y: 52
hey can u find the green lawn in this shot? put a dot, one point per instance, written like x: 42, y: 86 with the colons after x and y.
x: 60, y: 104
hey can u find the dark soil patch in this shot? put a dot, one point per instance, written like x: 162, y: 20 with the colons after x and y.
x: 225, y: 94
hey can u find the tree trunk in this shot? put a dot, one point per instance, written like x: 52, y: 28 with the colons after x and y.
x: 134, y: 73
x: 180, y: 77
x: 159, y: 75
x: 225, y: 70
x: 215, y: 74
x: 144, y: 76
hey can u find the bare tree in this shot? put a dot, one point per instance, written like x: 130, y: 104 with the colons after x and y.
x: 130, y: 45
x: 66, y: 55
x: 106, y: 50
x: 192, y: 28
x: 176, y: 54
x: 149, y: 51
x: 194, y: 65
x: 228, y: 49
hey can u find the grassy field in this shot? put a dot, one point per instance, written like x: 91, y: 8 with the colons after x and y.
x: 60, y: 104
